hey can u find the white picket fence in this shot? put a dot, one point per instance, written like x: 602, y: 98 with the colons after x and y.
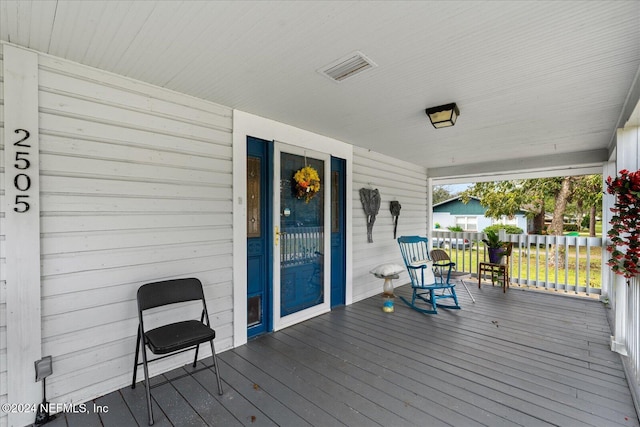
x: 536, y: 260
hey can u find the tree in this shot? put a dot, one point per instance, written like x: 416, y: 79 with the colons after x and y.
x: 500, y: 198
x: 538, y: 196
x: 561, y: 197
x: 587, y: 194
x: 506, y: 198
x: 441, y: 193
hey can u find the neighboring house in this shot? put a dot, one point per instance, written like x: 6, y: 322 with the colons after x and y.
x: 471, y: 216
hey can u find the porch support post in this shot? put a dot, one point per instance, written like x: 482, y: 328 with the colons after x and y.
x: 430, y: 225
x: 22, y: 229
x: 608, y: 200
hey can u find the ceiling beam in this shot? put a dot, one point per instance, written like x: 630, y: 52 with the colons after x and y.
x: 576, y: 163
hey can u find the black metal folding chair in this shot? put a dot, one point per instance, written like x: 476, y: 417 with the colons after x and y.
x: 172, y: 338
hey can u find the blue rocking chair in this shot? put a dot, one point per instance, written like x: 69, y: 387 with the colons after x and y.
x: 424, y: 282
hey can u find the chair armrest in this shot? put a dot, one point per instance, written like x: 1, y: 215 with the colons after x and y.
x: 444, y: 264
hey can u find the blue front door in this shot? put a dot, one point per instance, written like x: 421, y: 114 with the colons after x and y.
x: 259, y: 236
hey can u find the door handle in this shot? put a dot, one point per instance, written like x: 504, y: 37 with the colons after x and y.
x: 278, y: 233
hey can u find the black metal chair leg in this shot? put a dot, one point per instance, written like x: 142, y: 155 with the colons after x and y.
x: 215, y: 365
x: 135, y: 362
x: 195, y: 359
x: 147, y: 385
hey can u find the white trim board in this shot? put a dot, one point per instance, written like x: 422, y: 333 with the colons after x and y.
x: 582, y: 163
x: 22, y: 222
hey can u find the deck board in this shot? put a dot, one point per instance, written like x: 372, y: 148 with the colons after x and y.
x: 287, y: 373
x: 266, y: 383
x: 118, y: 412
x: 206, y: 405
x: 517, y: 358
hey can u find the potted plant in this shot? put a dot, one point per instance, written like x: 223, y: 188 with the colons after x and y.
x: 495, y: 247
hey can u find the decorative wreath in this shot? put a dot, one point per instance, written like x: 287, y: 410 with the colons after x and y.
x: 307, y: 183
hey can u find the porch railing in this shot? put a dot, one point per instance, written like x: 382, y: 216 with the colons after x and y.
x: 567, y: 263
x: 301, y: 245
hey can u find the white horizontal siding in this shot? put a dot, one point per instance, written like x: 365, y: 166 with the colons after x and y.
x: 136, y: 187
x: 396, y: 180
x: 3, y: 281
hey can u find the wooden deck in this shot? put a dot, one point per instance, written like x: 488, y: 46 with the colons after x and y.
x: 520, y: 358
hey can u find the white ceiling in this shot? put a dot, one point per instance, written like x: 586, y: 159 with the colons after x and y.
x: 531, y: 78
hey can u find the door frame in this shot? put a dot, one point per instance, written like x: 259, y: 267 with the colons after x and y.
x: 266, y: 157
x: 245, y: 124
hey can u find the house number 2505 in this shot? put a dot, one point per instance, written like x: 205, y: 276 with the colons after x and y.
x: 21, y: 180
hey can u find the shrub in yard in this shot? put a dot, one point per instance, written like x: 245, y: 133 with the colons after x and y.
x: 509, y: 229
x: 570, y: 227
x: 455, y: 228
x: 584, y: 223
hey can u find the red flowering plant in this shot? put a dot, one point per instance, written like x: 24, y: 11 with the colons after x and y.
x: 625, y: 224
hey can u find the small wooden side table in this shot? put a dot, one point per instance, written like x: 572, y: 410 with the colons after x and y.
x: 496, y: 271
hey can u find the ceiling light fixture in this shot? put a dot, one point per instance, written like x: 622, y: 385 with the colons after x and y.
x: 444, y: 115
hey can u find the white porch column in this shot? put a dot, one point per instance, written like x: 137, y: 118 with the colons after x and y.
x: 22, y: 222
x: 608, y: 288
x: 430, y: 211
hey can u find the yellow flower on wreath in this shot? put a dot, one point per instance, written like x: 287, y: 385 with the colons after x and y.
x: 307, y: 183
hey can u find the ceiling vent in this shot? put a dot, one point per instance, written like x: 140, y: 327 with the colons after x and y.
x: 347, y: 66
